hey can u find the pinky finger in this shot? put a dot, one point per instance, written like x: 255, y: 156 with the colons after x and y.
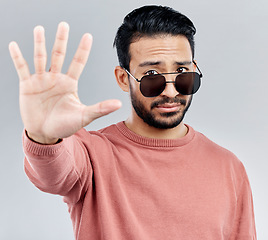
x: 19, y: 62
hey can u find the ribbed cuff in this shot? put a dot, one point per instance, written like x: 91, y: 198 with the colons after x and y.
x: 35, y: 148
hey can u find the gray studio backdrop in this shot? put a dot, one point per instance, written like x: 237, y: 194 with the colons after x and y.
x: 230, y: 108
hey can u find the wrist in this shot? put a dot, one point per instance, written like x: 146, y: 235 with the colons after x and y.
x: 42, y: 140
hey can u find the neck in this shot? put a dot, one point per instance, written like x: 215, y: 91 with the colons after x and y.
x: 141, y: 128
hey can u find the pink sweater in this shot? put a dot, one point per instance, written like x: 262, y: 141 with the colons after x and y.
x: 121, y: 186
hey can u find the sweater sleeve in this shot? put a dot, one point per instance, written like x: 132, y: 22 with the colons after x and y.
x: 63, y: 168
x: 244, y: 223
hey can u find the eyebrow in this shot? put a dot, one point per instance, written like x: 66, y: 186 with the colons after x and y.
x: 184, y: 63
x: 155, y: 63
x: 149, y: 63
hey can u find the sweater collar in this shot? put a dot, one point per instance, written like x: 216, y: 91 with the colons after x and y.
x: 154, y: 142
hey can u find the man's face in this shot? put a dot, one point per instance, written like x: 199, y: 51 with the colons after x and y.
x: 160, y: 54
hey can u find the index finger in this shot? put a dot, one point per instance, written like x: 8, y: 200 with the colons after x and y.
x: 19, y: 62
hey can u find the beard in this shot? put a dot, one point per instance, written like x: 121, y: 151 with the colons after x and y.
x: 168, y: 120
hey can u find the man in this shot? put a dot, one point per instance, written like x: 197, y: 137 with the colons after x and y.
x: 151, y: 176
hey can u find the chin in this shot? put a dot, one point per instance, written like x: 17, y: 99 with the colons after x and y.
x: 163, y: 124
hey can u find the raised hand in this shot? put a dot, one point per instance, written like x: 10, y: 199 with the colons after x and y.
x: 49, y: 103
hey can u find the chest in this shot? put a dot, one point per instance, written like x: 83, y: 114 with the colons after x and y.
x: 169, y: 190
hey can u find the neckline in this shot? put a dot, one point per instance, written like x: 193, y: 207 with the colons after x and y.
x: 155, y: 142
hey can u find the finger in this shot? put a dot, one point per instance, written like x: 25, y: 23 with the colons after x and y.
x: 59, y: 48
x: 100, y: 109
x: 80, y: 58
x: 19, y: 62
x: 40, y: 53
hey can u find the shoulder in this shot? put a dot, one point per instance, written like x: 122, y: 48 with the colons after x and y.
x: 224, y: 162
x: 219, y: 154
x: 103, y: 137
x: 212, y: 147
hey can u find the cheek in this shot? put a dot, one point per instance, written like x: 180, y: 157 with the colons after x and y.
x: 189, y: 100
x: 134, y: 87
x: 136, y: 95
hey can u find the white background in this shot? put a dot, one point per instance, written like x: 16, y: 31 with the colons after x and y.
x: 230, y: 108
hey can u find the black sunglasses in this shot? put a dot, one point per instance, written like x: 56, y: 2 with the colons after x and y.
x: 186, y: 83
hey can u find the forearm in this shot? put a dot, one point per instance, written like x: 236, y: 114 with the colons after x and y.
x: 53, y: 168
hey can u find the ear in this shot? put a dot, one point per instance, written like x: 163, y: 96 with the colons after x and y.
x: 121, y: 78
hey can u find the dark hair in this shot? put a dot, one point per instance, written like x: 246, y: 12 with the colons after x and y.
x: 150, y: 21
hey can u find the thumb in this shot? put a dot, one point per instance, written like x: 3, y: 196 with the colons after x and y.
x: 100, y: 109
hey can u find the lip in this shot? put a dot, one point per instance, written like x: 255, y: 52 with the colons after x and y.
x: 169, y: 107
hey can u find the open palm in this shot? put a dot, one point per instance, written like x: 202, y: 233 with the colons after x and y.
x: 49, y: 103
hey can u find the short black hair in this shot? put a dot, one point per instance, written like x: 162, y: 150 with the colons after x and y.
x: 150, y: 21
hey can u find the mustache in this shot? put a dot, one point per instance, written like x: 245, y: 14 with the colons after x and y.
x: 168, y: 100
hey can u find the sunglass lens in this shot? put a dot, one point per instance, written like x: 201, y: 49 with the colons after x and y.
x: 187, y: 83
x: 152, y: 85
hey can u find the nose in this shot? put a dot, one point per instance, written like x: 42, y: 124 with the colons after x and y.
x: 170, y: 90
